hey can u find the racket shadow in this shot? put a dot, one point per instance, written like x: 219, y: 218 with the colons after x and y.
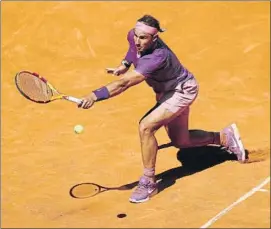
x: 87, y: 190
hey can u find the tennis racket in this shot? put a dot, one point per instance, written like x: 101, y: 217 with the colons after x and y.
x: 86, y: 190
x: 37, y: 89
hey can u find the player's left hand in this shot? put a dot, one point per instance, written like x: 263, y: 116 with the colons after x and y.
x: 120, y: 70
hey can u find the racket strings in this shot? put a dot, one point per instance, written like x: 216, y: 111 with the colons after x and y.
x: 33, y: 87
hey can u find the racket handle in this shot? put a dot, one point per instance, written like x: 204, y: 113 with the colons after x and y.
x: 73, y: 99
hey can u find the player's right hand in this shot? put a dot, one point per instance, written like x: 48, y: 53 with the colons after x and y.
x: 87, y: 101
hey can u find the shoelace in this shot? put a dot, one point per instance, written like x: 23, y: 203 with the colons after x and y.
x: 141, y: 186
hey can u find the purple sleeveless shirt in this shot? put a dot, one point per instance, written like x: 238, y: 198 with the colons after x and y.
x: 161, y: 67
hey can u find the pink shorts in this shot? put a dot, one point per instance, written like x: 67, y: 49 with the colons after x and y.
x: 179, y: 100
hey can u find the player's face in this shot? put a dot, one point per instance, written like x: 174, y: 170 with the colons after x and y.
x: 143, y: 41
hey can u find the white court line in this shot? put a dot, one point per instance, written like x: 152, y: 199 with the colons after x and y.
x: 263, y: 190
x: 223, y: 212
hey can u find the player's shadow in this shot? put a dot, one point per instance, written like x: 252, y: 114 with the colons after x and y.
x: 193, y: 160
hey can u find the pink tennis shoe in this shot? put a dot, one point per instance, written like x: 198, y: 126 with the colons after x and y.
x: 230, y: 139
x: 145, y: 189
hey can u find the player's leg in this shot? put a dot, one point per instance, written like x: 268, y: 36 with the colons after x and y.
x: 149, y: 124
x: 178, y: 129
x: 169, y: 106
x: 181, y: 137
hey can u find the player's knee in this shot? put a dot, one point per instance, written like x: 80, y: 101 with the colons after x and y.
x: 146, y: 128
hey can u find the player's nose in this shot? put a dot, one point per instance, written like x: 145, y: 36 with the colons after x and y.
x: 137, y: 41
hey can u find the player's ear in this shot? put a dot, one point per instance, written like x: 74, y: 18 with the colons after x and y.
x: 155, y: 37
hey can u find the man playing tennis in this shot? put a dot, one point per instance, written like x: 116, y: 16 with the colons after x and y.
x: 176, y: 89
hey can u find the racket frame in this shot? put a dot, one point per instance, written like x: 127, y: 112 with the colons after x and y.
x: 56, y: 95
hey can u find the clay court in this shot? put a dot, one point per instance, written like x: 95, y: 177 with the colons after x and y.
x: 227, y: 47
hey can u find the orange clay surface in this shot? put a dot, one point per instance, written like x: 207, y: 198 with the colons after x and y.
x: 225, y: 44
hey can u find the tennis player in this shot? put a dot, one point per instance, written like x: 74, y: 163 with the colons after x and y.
x: 175, y: 88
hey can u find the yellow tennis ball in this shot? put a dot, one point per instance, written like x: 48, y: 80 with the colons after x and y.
x: 78, y: 129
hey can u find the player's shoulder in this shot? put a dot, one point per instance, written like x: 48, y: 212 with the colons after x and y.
x: 161, y: 51
x: 160, y: 54
x: 157, y: 57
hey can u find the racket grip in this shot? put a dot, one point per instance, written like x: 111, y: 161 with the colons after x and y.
x: 73, y: 99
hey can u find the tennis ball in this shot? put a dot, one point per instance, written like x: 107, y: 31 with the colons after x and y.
x: 78, y: 129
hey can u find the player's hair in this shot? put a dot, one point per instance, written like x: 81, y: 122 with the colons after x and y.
x: 150, y: 21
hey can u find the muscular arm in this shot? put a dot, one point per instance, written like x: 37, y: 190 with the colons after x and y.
x: 122, y: 84
x: 128, y: 80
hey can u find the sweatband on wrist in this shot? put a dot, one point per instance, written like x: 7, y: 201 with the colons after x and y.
x: 102, y: 93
